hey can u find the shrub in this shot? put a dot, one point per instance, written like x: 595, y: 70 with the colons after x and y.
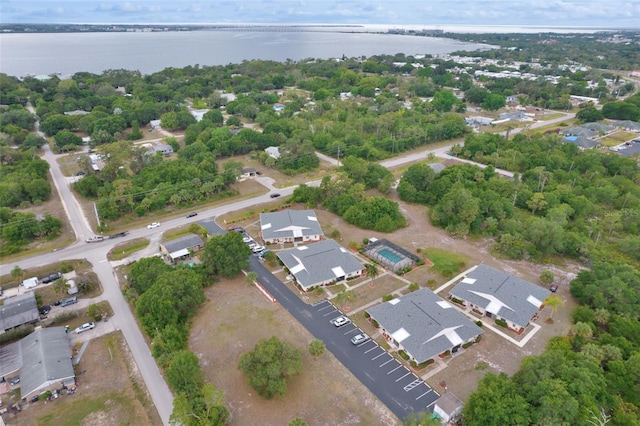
x: 366, y: 314
x: 466, y: 345
x: 64, y: 317
x: 16, y: 334
x: 413, y: 287
x: 365, y: 241
x: 65, y: 267
x: 479, y: 324
x: 387, y: 297
x: 501, y: 322
x: 458, y: 301
x: 403, y: 355
x: 375, y: 323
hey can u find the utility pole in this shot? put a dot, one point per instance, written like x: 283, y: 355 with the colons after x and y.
x: 338, y: 156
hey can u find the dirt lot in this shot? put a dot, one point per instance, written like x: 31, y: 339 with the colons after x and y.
x: 234, y: 319
x: 111, y: 392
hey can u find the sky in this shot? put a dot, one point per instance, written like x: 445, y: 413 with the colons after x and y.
x: 423, y: 13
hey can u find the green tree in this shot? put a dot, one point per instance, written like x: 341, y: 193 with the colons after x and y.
x: 268, y: 366
x: 493, y: 102
x: 444, y: 100
x: 546, y: 277
x: 316, y: 347
x: 554, y: 302
x: 251, y: 278
x: 424, y: 418
x: 225, y: 255
x: 208, y: 408
x: 60, y: 286
x: 184, y: 374
x: 94, y: 312
x: 371, y: 270
x: 497, y: 403
x: 16, y: 273
x: 345, y: 297
x: 297, y: 421
x: 146, y: 271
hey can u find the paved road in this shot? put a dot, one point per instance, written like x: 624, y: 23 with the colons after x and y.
x: 123, y: 319
x: 397, y: 387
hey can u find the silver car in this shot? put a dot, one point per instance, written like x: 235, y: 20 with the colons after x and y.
x: 359, y: 338
x: 340, y: 321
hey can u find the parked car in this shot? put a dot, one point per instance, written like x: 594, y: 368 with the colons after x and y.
x: 340, y: 321
x: 44, y: 309
x: 236, y: 228
x: 275, y: 195
x: 51, y: 278
x: 553, y: 288
x: 1, y: 292
x: 153, y: 225
x: 359, y: 338
x: 257, y: 249
x: 14, y: 380
x: 192, y: 214
x: 69, y: 301
x: 84, y: 327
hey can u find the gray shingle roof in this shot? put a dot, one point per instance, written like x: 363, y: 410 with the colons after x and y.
x: 9, y: 358
x: 504, y: 295
x: 186, y: 242
x: 437, y: 167
x: 579, y: 131
x: 628, y: 124
x: 211, y: 226
x: 289, y: 223
x: 319, y: 262
x: 46, y: 359
x: 19, y: 310
x: 424, y: 324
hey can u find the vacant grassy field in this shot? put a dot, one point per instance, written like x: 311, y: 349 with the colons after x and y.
x: 446, y: 263
x: 234, y: 319
x: 617, y: 138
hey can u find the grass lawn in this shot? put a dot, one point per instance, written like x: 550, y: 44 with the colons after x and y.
x: 123, y: 250
x: 384, y: 284
x: 447, y: 263
x: 617, y: 138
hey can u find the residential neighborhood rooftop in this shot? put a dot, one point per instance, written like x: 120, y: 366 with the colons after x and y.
x: 501, y: 294
x: 182, y: 243
x: 424, y: 324
x: 18, y: 310
x: 289, y: 224
x: 319, y: 263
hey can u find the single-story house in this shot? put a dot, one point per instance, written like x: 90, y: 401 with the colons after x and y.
x: 18, y: 310
x: 164, y: 148
x: 181, y: 247
x: 437, y: 167
x: 198, y: 113
x: 582, y: 142
x: 448, y: 406
x: 288, y: 226
x: 632, y: 126
x: 154, y: 123
x: 423, y: 325
x: 479, y: 121
x: 43, y: 359
x: 319, y: 264
x: 273, y: 152
x: 579, y: 131
x: 496, y: 294
x: 248, y: 172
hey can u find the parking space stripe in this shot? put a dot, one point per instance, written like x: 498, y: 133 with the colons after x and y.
x: 424, y: 394
x: 399, y: 366
x: 381, y: 365
x: 369, y: 350
x: 378, y: 356
x: 431, y: 403
x: 408, y: 372
x: 330, y: 313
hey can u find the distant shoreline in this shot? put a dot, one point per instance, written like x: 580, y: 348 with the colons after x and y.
x: 20, y: 28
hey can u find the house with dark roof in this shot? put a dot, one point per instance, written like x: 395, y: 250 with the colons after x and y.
x: 423, y: 325
x: 19, y: 310
x: 182, y: 247
x: 320, y: 264
x: 211, y: 226
x: 632, y: 126
x: 45, y: 361
x: 496, y: 294
x: 288, y: 226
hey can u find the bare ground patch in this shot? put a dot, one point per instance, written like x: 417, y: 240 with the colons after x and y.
x: 234, y: 319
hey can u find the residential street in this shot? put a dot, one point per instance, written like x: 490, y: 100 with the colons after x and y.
x: 123, y: 319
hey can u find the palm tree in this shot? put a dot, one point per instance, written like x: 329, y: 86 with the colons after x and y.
x: 345, y: 297
x: 16, y: 273
x: 554, y: 302
x: 371, y: 271
x: 251, y: 277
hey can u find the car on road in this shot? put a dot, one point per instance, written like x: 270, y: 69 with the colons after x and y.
x: 276, y: 195
x: 84, y: 327
x: 192, y: 214
x: 236, y: 228
x: 359, y: 338
x: 340, y: 321
x: 153, y: 225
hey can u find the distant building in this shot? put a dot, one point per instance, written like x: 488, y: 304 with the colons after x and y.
x: 18, y: 310
x: 273, y: 151
x: 248, y: 173
x: 198, y: 113
x: 448, y: 407
x: 182, y: 247
x: 581, y: 142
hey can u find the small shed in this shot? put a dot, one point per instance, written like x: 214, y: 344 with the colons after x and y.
x: 448, y: 406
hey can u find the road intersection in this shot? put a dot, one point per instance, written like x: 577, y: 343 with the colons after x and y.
x: 123, y: 319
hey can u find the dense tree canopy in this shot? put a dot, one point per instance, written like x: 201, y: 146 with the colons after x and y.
x: 225, y: 255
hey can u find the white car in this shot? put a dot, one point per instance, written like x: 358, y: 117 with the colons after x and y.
x: 359, y: 338
x: 257, y: 249
x: 153, y: 225
x: 84, y: 327
x: 340, y: 321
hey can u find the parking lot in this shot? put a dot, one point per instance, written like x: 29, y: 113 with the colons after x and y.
x: 399, y: 388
